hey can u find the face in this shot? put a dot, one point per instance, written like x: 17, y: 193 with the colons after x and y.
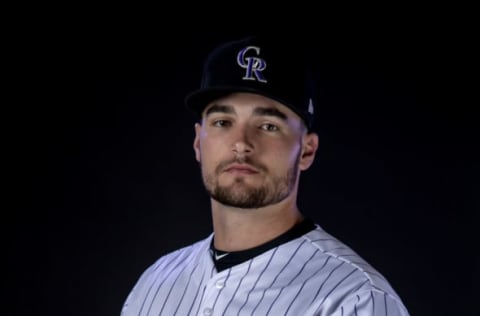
x: 251, y: 150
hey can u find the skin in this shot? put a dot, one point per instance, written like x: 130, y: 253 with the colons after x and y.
x: 251, y: 151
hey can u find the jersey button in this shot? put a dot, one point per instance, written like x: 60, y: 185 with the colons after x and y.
x: 220, y: 284
x: 207, y: 311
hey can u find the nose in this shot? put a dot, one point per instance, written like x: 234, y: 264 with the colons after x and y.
x: 242, y: 147
x: 242, y: 144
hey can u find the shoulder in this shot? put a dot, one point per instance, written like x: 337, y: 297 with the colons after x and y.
x: 340, y: 254
x: 372, y: 301
x: 172, y: 263
x: 179, y: 257
x: 348, y: 281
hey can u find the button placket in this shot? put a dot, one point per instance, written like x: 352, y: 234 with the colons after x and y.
x: 213, y: 288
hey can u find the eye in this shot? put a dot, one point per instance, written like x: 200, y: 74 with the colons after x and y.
x: 269, y: 127
x: 221, y: 123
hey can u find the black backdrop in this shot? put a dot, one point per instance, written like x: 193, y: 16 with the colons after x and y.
x: 104, y: 178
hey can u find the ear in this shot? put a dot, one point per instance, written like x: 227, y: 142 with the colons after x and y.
x: 309, y: 150
x: 196, y: 141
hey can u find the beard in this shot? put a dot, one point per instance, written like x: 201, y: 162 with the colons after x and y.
x: 242, y: 195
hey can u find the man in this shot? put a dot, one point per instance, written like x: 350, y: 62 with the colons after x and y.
x: 264, y: 257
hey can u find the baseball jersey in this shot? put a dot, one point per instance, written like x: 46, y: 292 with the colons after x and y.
x: 314, y: 274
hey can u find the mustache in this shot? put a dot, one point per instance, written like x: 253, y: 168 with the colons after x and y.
x: 240, y: 160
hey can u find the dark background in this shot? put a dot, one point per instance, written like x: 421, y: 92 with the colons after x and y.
x: 104, y: 181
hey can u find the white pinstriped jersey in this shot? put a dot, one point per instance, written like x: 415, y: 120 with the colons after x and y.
x: 314, y: 274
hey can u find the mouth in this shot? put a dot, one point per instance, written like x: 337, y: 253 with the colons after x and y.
x: 241, y: 169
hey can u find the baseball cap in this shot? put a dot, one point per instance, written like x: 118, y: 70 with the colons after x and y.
x: 272, y: 67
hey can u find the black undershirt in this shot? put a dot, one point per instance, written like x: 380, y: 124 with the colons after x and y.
x: 236, y: 257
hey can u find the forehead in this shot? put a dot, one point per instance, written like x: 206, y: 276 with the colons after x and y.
x: 248, y: 102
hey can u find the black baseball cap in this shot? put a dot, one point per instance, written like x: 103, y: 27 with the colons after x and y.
x: 271, y: 67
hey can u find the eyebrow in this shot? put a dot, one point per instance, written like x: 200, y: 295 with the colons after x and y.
x: 217, y: 108
x: 270, y: 112
x: 258, y: 111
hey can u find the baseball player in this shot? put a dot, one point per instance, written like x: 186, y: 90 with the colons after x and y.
x: 253, y: 140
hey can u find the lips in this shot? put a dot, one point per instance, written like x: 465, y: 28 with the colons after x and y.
x: 241, y: 168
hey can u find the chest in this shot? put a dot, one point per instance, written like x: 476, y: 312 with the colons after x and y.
x: 251, y: 289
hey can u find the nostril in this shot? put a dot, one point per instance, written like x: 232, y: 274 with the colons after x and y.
x: 242, y: 147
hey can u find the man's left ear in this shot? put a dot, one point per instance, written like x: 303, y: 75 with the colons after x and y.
x: 196, y: 141
x: 309, y: 149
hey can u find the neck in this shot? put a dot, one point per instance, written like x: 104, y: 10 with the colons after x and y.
x: 239, y: 229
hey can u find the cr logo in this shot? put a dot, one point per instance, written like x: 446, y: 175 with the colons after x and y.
x: 253, y: 65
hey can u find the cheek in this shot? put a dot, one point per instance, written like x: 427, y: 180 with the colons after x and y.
x: 210, y: 153
x: 207, y: 147
x: 284, y: 154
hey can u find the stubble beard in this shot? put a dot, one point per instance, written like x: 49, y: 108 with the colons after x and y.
x: 240, y: 194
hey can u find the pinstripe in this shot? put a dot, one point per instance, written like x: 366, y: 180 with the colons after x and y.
x: 328, y: 294
x: 185, y: 289
x: 221, y: 290
x: 276, y: 276
x: 326, y: 279
x: 385, y: 300
x: 311, y: 277
x: 238, y: 286
x: 167, y: 264
x: 196, y: 293
x: 360, y: 286
x: 299, y: 272
x: 373, y: 302
x: 259, y: 277
x: 174, y: 256
x: 169, y: 292
x: 341, y: 310
x: 201, y: 299
x: 203, y: 293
